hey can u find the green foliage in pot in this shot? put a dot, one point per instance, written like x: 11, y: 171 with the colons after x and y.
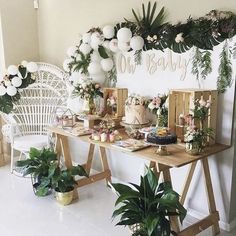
x: 63, y: 180
x: 148, y: 205
x: 39, y: 166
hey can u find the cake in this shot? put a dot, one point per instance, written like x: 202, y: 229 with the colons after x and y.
x: 135, y: 110
x: 162, y: 137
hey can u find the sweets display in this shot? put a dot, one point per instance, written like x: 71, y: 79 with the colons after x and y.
x: 162, y: 137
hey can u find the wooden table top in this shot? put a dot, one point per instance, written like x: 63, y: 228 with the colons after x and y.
x: 177, y: 158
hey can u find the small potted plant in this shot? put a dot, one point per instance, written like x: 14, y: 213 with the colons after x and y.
x: 64, y: 183
x: 39, y: 165
x: 146, y: 207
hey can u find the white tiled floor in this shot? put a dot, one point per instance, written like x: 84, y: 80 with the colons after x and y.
x: 24, y: 214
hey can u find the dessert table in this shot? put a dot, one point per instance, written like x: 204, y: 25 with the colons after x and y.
x: 161, y: 164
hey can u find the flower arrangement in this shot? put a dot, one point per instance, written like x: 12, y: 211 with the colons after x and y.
x: 17, y: 78
x: 196, y: 138
x: 112, y: 103
x: 158, y: 105
x: 87, y: 90
x: 135, y: 99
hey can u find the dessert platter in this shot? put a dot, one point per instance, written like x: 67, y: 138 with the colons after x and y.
x: 162, y: 138
x: 135, y: 112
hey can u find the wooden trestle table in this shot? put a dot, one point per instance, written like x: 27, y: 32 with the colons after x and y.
x: 161, y: 164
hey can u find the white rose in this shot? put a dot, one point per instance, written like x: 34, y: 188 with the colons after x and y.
x: 202, y: 103
x: 179, y: 38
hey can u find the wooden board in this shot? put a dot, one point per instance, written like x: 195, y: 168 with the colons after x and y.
x: 177, y: 158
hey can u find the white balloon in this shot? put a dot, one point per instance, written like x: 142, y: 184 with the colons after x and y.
x: 16, y: 81
x: 32, y: 67
x: 72, y: 51
x: 12, y: 70
x: 99, y: 78
x: 107, y: 64
x: 86, y: 38
x: 124, y: 35
x: 137, y: 43
x: 105, y: 44
x: 66, y: 65
x: 3, y: 90
x: 124, y: 47
x: 11, y: 90
x: 94, y: 45
x: 96, y: 38
x: 108, y: 31
x: 95, y: 56
x: 94, y: 68
x: 114, y: 45
x: 7, y: 83
x: 85, y: 48
x: 24, y: 63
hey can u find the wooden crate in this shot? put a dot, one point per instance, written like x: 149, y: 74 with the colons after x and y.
x: 182, y: 102
x: 121, y: 94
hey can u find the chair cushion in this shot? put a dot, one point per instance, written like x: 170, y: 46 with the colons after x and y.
x: 24, y: 143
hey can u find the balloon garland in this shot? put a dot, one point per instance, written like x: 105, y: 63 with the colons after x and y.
x: 17, y: 78
x: 93, y: 57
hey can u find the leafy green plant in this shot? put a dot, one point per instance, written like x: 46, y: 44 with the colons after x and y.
x: 202, y: 65
x: 39, y: 166
x: 63, y: 180
x: 224, y: 79
x: 149, y: 23
x: 149, y: 205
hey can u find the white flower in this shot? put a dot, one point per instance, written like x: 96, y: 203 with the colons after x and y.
x: 96, y: 38
x: 190, y: 138
x: 202, y: 103
x: 151, y: 106
x: 179, y: 38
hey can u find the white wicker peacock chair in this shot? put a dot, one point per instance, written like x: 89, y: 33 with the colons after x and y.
x: 26, y: 125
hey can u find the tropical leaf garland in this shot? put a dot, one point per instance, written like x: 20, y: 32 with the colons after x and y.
x: 150, y: 23
x: 224, y: 79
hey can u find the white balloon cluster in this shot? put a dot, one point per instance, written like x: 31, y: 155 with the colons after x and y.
x: 13, y: 80
x: 98, y: 66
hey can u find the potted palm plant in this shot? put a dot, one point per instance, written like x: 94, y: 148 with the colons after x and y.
x: 64, y: 183
x: 39, y: 165
x: 146, y: 207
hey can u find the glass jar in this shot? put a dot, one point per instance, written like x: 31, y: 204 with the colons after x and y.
x: 193, y: 148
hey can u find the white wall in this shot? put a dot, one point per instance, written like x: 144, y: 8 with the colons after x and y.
x: 60, y: 22
x: 19, y: 31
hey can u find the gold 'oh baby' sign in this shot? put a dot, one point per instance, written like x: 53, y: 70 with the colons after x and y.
x: 154, y: 63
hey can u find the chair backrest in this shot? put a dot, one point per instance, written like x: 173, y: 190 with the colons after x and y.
x: 39, y: 102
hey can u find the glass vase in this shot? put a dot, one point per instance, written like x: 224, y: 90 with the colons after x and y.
x: 193, y: 148
x: 89, y: 106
